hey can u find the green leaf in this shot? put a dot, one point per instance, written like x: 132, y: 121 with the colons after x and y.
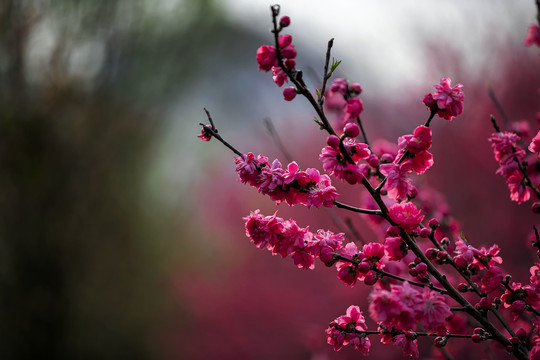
x: 318, y: 94
x: 334, y: 65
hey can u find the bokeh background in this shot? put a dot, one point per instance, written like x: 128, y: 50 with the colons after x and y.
x: 120, y: 232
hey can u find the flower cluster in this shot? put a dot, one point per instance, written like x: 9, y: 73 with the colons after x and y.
x: 509, y: 155
x: 342, y: 98
x: 533, y: 35
x: 307, y: 187
x: 337, y: 155
x: 414, y: 156
x: 427, y: 279
x: 286, y: 238
x: 446, y: 101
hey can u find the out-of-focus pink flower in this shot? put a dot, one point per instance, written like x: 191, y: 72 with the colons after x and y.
x: 491, y: 280
x: 406, y: 215
x: 519, y: 192
x: 385, y: 307
x: 354, y: 108
x: 266, y: 57
x: 435, y: 311
x: 504, y: 145
x: 533, y: 35
x: 449, y: 100
x: 408, y: 344
x: 535, y: 144
x: 339, y: 85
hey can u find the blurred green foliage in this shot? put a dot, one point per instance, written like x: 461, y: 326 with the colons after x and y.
x: 83, y: 85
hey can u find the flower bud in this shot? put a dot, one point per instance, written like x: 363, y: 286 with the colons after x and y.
x: 433, y: 223
x: 430, y: 253
x: 387, y: 158
x: 289, y: 93
x: 462, y: 287
x: 536, y: 207
x: 373, y: 160
x: 290, y: 63
x: 370, y: 280
x: 476, y: 338
x: 484, y: 303
x: 363, y: 267
x: 441, y: 341
x: 284, y: 21
x: 333, y: 141
x: 351, y: 130
x: 424, y: 233
x: 355, y: 88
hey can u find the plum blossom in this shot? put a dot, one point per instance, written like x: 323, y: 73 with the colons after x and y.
x: 408, y: 344
x: 447, y: 101
x: 491, y: 280
x: 535, y: 144
x: 266, y: 57
x: 434, y: 312
x: 405, y: 215
x: 398, y: 184
x: 346, y: 330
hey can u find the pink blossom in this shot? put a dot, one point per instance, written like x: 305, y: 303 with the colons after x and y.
x: 398, y: 184
x: 351, y: 130
x: 491, y: 280
x: 354, y: 108
x: 448, y: 100
x: 324, y: 243
x: 284, y: 41
x: 348, y: 272
x: 533, y: 35
x: 303, y: 259
x: 339, y: 85
x: 395, y: 248
x: 519, y: 191
x: 263, y: 230
x: 266, y: 57
x: 419, y: 141
x: 504, y: 145
x: 385, y: 307
x: 535, y: 144
x: 343, y: 331
x: 420, y: 162
x: 435, y: 311
x: 408, y: 344
x: 323, y: 195
x: 205, y: 135
x: 358, y: 151
x: 405, y: 215
x: 373, y: 252
x: 279, y: 76
x: 535, y: 275
x: 248, y: 168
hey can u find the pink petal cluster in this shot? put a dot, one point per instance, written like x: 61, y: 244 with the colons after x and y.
x: 534, y: 146
x: 324, y: 244
x: 334, y: 161
x: 533, y: 35
x: 307, y: 187
x: 343, y: 97
x: 283, y: 237
x: 408, y: 344
x: 508, y: 153
x: 447, y: 101
x: 405, y: 215
x: 347, y: 330
x: 413, y: 155
x: 403, y: 307
x: 349, y: 272
x: 491, y: 280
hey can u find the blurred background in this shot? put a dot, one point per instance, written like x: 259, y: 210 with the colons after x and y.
x: 120, y: 232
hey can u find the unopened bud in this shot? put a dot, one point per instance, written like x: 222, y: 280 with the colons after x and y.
x: 351, y: 130
x: 284, y: 21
